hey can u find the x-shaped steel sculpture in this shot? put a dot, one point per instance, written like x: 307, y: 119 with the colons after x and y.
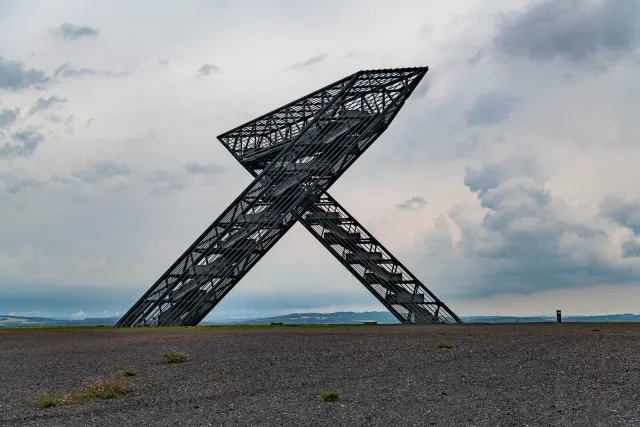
x: 295, y: 154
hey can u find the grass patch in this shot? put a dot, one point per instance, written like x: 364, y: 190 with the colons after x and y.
x: 173, y: 356
x: 93, y: 388
x: 330, y: 396
x: 595, y: 330
x: 545, y: 332
x: 128, y: 371
x: 446, y: 344
x: 104, y: 389
x: 46, y: 400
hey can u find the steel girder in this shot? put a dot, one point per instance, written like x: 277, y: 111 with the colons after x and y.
x: 295, y: 154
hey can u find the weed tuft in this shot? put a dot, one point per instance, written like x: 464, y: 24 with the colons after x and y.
x: 98, y: 388
x: 128, y: 371
x: 46, y: 400
x: 595, y: 330
x: 330, y: 396
x: 173, y: 356
x: 446, y: 344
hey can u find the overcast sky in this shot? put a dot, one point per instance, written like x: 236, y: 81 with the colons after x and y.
x: 508, y: 183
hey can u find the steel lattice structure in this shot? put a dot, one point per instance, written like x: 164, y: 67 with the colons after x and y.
x: 295, y: 154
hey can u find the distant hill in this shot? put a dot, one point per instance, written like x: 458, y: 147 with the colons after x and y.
x: 530, y: 319
x: 387, y: 318
x: 340, y: 318
x: 345, y: 317
x: 8, y: 320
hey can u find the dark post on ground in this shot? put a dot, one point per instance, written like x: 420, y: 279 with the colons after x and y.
x: 559, y: 315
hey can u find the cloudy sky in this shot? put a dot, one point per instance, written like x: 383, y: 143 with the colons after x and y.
x: 508, y: 183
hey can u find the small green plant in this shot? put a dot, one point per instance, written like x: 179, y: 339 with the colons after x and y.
x: 128, y: 370
x: 46, y: 400
x: 595, y: 330
x: 172, y: 356
x: 330, y: 396
x: 446, y: 344
x: 93, y: 388
x: 98, y: 388
x: 545, y: 332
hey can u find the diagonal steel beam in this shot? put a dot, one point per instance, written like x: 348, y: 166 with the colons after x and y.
x: 295, y: 154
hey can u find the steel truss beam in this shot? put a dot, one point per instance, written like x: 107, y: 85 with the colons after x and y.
x: 295, y: 154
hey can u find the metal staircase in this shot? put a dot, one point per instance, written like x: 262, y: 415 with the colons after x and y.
x: 295, y: 154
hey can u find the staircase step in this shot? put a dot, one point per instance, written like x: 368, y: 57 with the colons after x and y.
x: 382, y: 278
x: 359, y: 257
x: 322, y: 217
x: 333, y: 237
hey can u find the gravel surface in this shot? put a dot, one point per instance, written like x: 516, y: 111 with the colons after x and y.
x: 495, y: 375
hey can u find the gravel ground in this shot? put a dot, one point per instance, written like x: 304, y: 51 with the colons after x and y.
x: 495, y: 375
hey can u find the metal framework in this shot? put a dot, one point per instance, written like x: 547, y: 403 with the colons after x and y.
x: 295, y: 154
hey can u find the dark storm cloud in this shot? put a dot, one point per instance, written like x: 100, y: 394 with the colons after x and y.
x: 101, y: 170
x: 492, y: 176
x: 73, y: 32
x: 45, y: 103
x: 65, y: 70
x: 22, y: 144
x: 15, y: 76
x: 575, y: 30
x: 624, y: 213
x: 7, y: 117
x: 207, y: 70
x: 413, y: 203
x: 631, y: 249
x: 527, y: 241
x: 315, y: 60
x: 208, y: 169
x: 489, y: 109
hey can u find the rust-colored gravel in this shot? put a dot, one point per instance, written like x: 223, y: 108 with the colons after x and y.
x: 495, y: 375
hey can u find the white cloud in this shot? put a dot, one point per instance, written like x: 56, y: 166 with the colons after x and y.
x: 79, y: 315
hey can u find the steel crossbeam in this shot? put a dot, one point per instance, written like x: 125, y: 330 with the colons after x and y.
x: 295, y: 153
